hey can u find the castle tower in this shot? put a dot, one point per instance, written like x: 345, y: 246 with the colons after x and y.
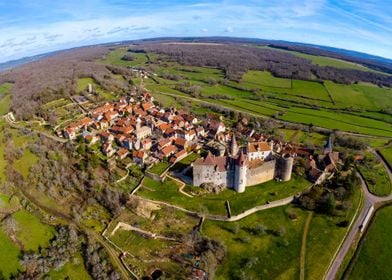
x: 138, y: 123
x: 240, y: 173
x: 234, y: 147
x: 286, y: 167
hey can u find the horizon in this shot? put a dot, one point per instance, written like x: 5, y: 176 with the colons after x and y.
x: 31, y: 29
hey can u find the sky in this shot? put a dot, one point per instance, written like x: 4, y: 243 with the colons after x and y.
x: 31, y: 27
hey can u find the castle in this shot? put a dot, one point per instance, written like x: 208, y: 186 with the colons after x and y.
x: 258, y: 164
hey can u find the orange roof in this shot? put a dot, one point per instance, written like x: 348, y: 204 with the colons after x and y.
x: 258, y: 147
x: 169, y: 149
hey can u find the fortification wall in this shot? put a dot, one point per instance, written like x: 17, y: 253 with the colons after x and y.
x: 261, y: 174
x: 208, y: 174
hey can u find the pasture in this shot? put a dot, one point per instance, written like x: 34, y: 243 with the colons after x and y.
x: 274, y: 239
x: 31, y: 232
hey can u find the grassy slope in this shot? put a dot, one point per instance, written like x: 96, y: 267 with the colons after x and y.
x: 375, y: 175
x: 159, y: 167
x: 215, y: 203
x: 24, y: 164
x: 9, y: 262
x: 277, y: 256
x: 83, y: 84
x: 374, y: 259
x: 387, y: 153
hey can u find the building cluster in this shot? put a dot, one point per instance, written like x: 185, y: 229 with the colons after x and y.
x: 137, y: 128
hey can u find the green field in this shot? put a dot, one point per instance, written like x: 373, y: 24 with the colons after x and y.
x: 24, y: 164
x: 387, y: 153
x: 115, y: 56
x: 354, y: 108
x: 83, y: 84
x: 340, y: 121
x: 360, y: 96
x: 375, y: 175
x: 268, y: 255
x: 31, y: 232
x: 159, y: 167
x: 215, y: 203
x: 303, y: 137
x: 9, y: 252
x: 375, y: 253
x: 264, y: 78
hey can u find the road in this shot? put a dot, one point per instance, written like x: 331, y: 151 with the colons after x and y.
x: 370, y: 201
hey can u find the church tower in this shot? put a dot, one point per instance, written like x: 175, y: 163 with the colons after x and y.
x: 234, y: 147
x: 240, y: 173
x: 328, y: 146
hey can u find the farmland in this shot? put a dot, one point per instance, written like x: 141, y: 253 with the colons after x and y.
x: 358, y: 108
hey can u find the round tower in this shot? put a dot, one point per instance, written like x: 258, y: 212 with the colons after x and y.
x: 240, y: 173
x: 286, y: 167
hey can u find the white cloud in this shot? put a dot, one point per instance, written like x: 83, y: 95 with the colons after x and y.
x: 312, y: 21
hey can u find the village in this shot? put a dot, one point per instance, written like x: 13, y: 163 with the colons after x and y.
x: 136, y: 129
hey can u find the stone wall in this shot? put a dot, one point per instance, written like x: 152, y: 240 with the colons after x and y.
x: 261, y: 174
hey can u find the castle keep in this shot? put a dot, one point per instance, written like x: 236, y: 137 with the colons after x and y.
x: 256, y: 165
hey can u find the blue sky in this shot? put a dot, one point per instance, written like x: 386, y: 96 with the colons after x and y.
x: 38, y: 26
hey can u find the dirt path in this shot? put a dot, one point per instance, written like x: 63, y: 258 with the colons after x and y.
x: 238, y: 217
x: 182, y: 186
x: 149, y: 234
x: 303, y: 246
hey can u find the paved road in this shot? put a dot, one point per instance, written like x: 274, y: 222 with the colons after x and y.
x: 370, y: 201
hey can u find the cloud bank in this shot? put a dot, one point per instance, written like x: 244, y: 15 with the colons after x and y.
x: 28, y: 28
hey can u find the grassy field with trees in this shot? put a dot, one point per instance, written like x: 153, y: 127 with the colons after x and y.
x: 375, y: 175
x: 275, y: 238
x: 375, y: 252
